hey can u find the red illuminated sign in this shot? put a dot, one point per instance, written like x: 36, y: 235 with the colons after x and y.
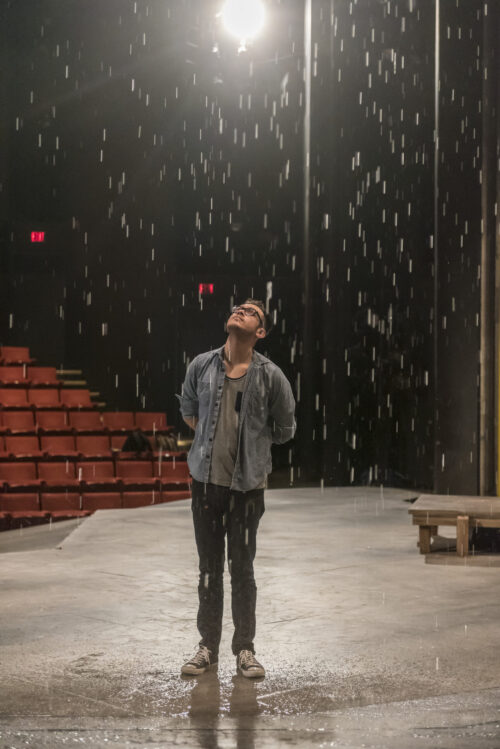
x: 205, y: 288
x: 38, y: 236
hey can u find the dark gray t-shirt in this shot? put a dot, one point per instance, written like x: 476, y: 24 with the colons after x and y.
x: 225, y: 444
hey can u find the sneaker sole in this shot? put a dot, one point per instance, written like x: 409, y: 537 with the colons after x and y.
x: 251, y: 674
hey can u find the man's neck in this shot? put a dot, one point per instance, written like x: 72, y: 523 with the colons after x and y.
x: 237, y: 352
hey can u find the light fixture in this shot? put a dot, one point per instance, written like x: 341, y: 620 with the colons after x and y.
x: 244, y: 19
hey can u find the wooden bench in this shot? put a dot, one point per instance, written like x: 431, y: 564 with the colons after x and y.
x: 464, y: 512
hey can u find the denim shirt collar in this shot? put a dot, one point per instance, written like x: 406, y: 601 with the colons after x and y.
x: 257, y: 359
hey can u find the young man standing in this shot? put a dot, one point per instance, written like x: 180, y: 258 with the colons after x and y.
x: 238, y: 402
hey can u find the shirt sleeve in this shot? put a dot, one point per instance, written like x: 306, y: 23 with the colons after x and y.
x: 282, y: 410
x: 189, y: 399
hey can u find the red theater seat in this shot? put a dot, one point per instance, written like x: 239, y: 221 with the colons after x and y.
x: 59, y: 444
x: 13, y: 398
x: 172, y: 470
x: 150, y: 422
x: 58, y: 501
x: 97, y: 475
x: 43, y: 376
x: 23, y: 446
x: 118, y: 421
x: 18, y: 421
x: 136, y: 473
x: 44, y: 397
x: 117, y: 441
x: 76, y: 398
x: 141, y: 499
x: 27, y: 518
x: 180, y: 455
x: 171, y: 496
x: 52, y: 421
x: 93, y: 446
x: 14, y: 375
x: 99, y: 501
x: 19, y: 502
x: 19, y: 475
x: 58, y: 475
x: 61, y: 506
x: 15, y: 355
x: 86, y: 421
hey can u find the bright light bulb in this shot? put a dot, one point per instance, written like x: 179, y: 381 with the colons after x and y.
x: 243, y: 18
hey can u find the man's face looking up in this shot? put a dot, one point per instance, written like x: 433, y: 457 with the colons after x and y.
x: 248, y: 317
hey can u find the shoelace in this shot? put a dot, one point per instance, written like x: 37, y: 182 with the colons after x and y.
x: 247, y: 658
x: 202, y: 655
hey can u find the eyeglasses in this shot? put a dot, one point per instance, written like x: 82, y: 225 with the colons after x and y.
x: 248, y: 312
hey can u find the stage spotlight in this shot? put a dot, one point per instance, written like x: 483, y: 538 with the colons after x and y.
x: 243, y: 18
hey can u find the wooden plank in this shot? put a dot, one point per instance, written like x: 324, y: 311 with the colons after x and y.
x: 430, y: 519
x: 432, y: 498
x: 485, y: 522
x: 473, y: 521
x: 447, y: 504
x: 462, y: 535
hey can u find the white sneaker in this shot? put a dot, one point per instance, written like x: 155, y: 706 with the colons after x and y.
x: 199, y: 663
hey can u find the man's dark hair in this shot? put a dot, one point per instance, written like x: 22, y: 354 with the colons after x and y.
x: 268, y: 321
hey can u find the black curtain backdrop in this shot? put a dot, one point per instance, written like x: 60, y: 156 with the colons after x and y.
x: 156, y: 157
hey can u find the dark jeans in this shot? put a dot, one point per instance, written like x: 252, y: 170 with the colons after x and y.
x: 216, y: 511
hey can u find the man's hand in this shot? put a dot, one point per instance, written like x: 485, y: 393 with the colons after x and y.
x: 191, y: 421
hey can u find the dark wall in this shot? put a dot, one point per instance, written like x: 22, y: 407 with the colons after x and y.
x: 371, y: 227
x: 459, y: 215
x: 156, y: 158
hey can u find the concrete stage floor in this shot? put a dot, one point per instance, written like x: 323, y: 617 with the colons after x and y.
x: 365, y: 644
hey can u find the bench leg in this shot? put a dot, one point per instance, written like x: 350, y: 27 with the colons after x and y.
x: 462, y: 535
x: 424, y: 537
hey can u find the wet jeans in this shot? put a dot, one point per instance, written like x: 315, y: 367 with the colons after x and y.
x: 218, y: 511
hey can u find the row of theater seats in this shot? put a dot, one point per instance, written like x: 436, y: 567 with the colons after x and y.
x: 45, y: 398
x: 14, y: 375
x: 66, y: 475
x: 15, y: 355
x: 117, y: 422
x: 33, y: 508
x: 69, y: 446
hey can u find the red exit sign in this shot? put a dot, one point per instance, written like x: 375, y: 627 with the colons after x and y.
x: 38, y: 236
x: 205, y: 288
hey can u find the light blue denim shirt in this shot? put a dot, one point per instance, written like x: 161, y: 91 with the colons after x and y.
x: 267, y: 415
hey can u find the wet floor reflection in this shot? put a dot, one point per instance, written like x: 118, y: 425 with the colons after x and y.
x: 207, y: 707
